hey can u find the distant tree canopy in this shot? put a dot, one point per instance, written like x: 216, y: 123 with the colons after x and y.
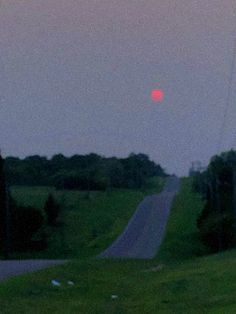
x: 216, y: 185
x: 85, y: 172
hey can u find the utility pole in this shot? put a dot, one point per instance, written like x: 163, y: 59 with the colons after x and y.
x: 4, y: 213
x: 218, y: 209
x: 2, y: 205
x: 215, y: 204
x: 228, y: 98
x: 88, y: 177
x: 232, y: 164
x: 7, y: 244
x: 234, y: 194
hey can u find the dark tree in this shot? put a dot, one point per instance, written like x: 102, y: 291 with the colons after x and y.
x: 52, y: 210
x: 26, y: 222
x: 216, y: 223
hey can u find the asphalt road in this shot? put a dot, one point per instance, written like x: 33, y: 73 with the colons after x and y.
x: 17, y: 267
x: 145, y: 231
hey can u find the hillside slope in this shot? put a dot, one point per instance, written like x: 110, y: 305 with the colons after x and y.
x: 171, y: 283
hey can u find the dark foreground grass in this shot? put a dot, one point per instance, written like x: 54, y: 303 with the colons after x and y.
x: 171, y: 283
x: 203, y: 285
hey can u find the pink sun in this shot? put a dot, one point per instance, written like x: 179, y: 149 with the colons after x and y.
x: 157, y: 95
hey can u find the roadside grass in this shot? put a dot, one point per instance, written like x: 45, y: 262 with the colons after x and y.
x: 181, y: 240
x: 91, y: 221
x: 202, y: 285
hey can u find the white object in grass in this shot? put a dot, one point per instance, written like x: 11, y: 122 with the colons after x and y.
x: 56, y: 283
x: 114, y: 296
x: 71, y: 283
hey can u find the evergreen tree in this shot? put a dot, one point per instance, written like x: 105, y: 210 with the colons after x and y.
x: 52, y: 210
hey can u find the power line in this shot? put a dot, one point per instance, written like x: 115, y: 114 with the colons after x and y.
x: 230, y: 83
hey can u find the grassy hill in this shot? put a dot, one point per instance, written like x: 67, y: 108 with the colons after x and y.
x: 91, y: 222
x: 178, y: 280
x: 182, y: 240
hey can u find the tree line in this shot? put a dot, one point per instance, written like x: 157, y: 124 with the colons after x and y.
x: 217, y: 186
x: 84, y: 172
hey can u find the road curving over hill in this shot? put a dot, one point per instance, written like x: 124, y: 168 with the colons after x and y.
x: 145, y: 231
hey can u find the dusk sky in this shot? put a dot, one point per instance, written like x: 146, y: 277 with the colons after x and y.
x: 76, y: 77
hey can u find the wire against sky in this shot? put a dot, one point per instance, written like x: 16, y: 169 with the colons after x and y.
x: 228, y: 98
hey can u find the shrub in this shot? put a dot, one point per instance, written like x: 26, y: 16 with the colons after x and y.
x: 216, y: 229
x: 25, y: 223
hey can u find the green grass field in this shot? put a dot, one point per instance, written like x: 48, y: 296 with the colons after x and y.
x: 176, y: 281
x: 91, y: 223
